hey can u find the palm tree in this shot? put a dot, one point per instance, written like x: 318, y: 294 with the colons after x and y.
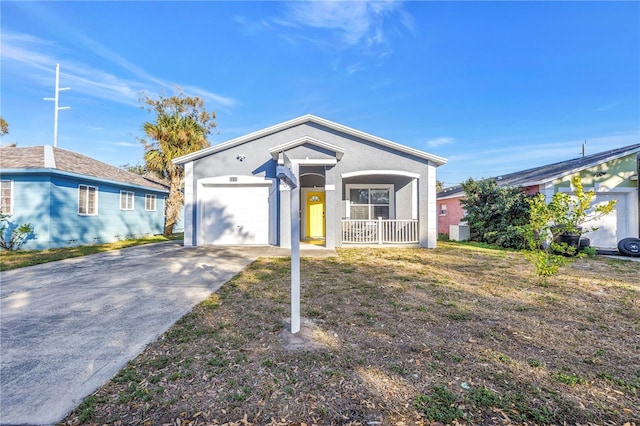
x: 181, y: 128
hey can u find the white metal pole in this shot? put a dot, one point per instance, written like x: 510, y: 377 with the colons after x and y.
x: 56, y: 108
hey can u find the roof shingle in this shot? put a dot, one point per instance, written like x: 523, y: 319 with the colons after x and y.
x: 33, y: 157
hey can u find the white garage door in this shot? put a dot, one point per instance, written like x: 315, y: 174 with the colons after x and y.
x: 235, y: 214
x: 612, y: 227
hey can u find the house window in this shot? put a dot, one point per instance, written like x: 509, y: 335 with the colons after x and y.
x: 6, y: 196
x: 87, y: 200
x: 369, y: 202
x: 150, y: 202
x: 126, y: 200
x: 443, y: 209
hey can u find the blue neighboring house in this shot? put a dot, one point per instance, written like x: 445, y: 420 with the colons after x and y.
x: 71, y: 199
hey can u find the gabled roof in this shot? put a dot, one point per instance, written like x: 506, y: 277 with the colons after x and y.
x: 276, y: 150
x: 310, y: 119
x: 40, y: 158
x: 550, y: 172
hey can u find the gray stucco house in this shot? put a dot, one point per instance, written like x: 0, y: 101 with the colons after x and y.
x: 353, y: 187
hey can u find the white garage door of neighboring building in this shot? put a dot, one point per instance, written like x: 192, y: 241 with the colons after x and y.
x: 234, y: 214
x: 612, y: 227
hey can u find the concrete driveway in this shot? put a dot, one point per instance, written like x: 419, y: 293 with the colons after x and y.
x: 68, y: 327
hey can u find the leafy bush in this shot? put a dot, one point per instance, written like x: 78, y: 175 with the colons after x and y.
x: 13, y: 236
x: 565, y: 215
x: 496, y: 214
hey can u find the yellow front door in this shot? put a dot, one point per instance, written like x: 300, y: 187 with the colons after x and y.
x: 315, y: 214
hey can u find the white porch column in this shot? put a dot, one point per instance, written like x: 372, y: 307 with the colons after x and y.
x: 428, y: 218
x: 333, y: 222
x: 414, y: 199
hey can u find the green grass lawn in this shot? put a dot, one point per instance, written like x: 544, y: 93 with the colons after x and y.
x: 21, y: 258
x: 455, y: 335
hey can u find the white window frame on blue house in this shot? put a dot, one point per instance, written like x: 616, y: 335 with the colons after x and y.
x: 150, y: 202
x: 127, y: 200
x: 6, y: 186
x: 87, y: 204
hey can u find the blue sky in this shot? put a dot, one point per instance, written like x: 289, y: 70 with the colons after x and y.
x: 494, y: 87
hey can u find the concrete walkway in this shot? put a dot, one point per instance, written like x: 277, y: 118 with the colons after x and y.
x: 68, y: 327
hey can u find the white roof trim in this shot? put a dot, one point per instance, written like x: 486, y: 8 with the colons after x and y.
x: 380, y: 172
x: 301, y: 120
x: 301, y: 141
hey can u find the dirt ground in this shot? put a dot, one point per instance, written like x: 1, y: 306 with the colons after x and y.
x: 455, y: 335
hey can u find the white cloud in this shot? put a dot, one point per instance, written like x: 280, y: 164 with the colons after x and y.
x: 27, y: 50
x: 350, y: 23
x: 209, y: 96
x: 606, y: 107
x: 33, y: 57
x: 127, y: 144
x: 432, y: 143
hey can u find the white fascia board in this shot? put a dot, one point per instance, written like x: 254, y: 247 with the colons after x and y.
x: 439, y: 161
x: 380, y: 172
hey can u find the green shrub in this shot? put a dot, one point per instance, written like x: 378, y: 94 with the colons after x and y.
x: 565, y: 215
x: 13, y: 236
x: 496, y: 214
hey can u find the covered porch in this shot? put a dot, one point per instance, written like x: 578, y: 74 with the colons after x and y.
x: 380, y: 231
x: 380, y: 207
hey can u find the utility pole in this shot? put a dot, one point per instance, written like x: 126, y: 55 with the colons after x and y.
x: 56, y: 108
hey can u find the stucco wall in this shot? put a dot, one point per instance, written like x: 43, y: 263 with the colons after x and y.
x: 359, y: 155
x: 606, y: 176
x: 453, y: 216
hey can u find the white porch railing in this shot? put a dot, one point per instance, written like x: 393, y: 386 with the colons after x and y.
x: 381, y: 231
